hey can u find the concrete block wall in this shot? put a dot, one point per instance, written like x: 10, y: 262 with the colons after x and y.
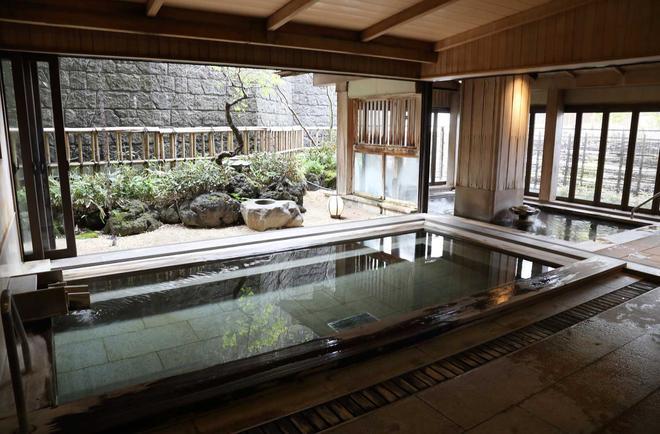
x: 104, y: 92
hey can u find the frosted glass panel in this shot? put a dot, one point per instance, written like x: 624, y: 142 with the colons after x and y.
x: 401, y: 179
x: 368, y: 174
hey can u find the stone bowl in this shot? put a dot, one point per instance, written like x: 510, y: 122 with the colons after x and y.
x: 525, y: 213
x: 263, y: 214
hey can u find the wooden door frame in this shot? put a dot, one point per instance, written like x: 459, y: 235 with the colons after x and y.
x: 23, y: 69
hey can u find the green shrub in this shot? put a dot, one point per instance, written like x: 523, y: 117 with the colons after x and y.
x: 189, y: 179
x: 127, y: 183
x: 55, y: 194
x: 320, y: 165
x: 266, y: 168
x: 90, y: 193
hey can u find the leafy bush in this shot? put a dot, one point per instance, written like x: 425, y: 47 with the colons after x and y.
x: 266, y: 168
x: 54, y: 192
x: 320, y: 165
x: 89, y: 193
x: 128, y: 183
x: 189, y: 179
x: 96, y: 195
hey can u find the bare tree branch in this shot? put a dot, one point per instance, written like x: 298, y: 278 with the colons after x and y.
x: 295, y: 115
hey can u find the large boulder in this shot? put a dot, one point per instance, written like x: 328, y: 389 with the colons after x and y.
x: 285, y: 190
x: 241, y: 185
x: 264, y: 214
x: 131, y: 218
x: 91, y: 220
x: 210, y: 210
x: 169, y: 214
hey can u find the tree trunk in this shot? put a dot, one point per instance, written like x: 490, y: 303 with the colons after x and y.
x: 239, y: 147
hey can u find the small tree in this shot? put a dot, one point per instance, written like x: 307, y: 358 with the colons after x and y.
x: 242, y: 85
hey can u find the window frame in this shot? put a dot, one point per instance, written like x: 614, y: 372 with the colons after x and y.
x: 534, y: 110
x: 606, y: 110
x: 434, y: 136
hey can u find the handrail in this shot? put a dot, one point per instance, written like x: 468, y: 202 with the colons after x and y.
x: 12, y: 326
x: 632, y: 211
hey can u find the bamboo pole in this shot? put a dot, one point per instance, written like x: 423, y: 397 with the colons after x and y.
x: 120, y: 152
x: 130, y: 146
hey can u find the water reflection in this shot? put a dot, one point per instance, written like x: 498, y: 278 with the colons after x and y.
x: 556, y: 225
x: 182, y: 319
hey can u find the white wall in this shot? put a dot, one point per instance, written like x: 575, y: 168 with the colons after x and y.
x: 377, y: 86
x: 9, y: 247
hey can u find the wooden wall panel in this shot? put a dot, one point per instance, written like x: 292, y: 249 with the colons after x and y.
x: 493, y: 132
x: 604, y: 31
x: 442, y: 98
x: 84, y: 42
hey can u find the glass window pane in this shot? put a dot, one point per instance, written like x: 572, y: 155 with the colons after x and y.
x: 401, y: 178
x: 16, y: 156
x: 645, y: 164
x: 440, y: 128
x: 585, y: 182
x: 53, y: 230
x: 368, y: 174
x: 566, y: 154
x: 614, y: 170
x: 537, y: 152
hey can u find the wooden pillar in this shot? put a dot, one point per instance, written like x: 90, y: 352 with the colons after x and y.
x: 454, y: 114
x: 426, y: 89
x: 554, y: 114
x: 344, y: 140
x: 493, y: 145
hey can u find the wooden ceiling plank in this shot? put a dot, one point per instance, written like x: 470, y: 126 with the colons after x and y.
x: 287, y: 12
x: 129, y: 17
x: 413, y: 12
x: 153, y: 6
x: 527, y: 16
x: 102, y: 43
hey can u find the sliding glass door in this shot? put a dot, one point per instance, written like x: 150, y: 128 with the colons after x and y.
x: 35, y: 133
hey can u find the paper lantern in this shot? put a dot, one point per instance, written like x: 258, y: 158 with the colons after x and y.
x: 335, y: 206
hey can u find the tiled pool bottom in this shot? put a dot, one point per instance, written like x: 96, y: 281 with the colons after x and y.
x: 549, y: 223
x: 157, y: 324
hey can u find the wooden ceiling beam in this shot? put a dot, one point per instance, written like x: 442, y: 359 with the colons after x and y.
x: 100, y: 43
x: 537, y: 13
x: 413, y: 12
x: 128, y: 17
x: 153, y: 6
x: 287, y: 12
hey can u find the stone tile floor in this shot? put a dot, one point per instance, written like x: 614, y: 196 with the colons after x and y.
x: 601, y: 375
x: 645, y: 251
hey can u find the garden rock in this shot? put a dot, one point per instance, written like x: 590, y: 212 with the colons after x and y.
x: 210, y: 210
x: 131, y: 218
x: 169, y: 215
x: 264, y: 214
x: 285, y: 190
x: 91, y: 220
x: 242, y: 186
x: 239, y: 164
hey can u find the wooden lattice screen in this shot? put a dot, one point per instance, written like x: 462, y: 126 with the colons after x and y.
x: 388, y: 121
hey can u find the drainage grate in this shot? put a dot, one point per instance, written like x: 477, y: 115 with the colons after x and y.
x: 331, y: 413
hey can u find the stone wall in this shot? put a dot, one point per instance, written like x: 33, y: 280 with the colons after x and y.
x: 97, y: 93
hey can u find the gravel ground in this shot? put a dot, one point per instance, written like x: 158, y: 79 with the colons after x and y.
x: 317, y: 214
